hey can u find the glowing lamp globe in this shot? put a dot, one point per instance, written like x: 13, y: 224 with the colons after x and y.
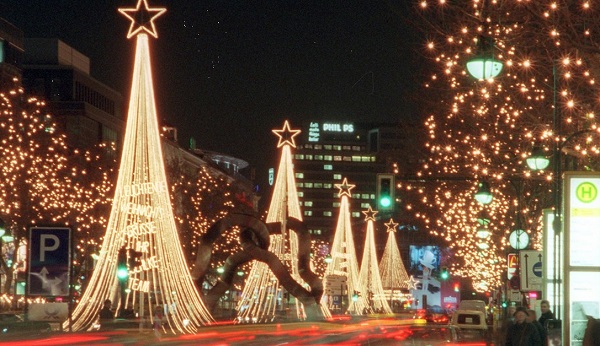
x: 483, y: 233
x: 483, y: 246
x: 518, y: 239
x: 537, y: 160
x: 484, y: 194
x: 484, y: 67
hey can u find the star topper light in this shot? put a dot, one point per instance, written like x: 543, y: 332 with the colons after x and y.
x: 143, y: 18
x: 412, y: 283
x: 286, y: 135
x: 345, y: 188
x: 391, y: 226
x: 370, y: 214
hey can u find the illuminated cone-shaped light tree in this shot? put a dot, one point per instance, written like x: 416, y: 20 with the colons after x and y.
x: 263, y: 293
x: 141, y: 232
x: 391, y: 267
x: 343, y: 263
x: 485, y: 129
x: 370, y: 278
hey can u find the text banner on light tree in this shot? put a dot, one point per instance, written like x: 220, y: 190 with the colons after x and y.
x: 582, y: 258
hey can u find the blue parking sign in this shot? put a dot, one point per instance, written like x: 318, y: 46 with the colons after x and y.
x: 49, y: 261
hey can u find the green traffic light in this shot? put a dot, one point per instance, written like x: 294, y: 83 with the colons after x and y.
x: 122, y: 273
x: 385, y: 201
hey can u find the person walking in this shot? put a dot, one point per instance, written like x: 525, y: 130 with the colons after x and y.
x: 106, y: 315
x: 522, y: 333
x: 546, y: 315
x: 157, y: 321
x: 531, y: 318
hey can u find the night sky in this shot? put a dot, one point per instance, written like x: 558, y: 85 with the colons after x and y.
x: 227, y: 72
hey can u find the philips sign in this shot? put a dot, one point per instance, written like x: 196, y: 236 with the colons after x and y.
x: 338, y: 127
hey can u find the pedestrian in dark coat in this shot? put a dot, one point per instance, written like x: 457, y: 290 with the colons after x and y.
x: 522, y: 333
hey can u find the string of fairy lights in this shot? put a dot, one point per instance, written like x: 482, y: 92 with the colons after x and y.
x: 369, y: 276
x: 343, y: 256
x: 141, y: 219
x: 485, y: 129
x: 391, y: 267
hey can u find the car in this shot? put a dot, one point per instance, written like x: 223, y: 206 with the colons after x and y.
x: 432, y: 315
x: 470, y: 325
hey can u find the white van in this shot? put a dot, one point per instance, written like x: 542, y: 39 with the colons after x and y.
x: 478, y: 305
x: 470, y: 325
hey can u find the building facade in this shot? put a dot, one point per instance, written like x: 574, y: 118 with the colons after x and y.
x: 328, y: 152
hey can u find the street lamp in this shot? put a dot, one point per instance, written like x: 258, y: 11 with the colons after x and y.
x: 484, y: 194
x: 483, y: 65
x: 538, y: 160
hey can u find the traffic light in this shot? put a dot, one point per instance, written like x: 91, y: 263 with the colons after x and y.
x: 385, y: 192
x: 134, y: 258
x: 122, y: 271
x: 456, y: 287
x: 444, y: 274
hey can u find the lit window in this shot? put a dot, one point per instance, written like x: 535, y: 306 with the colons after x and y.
x: 365, y: 205
x: 318, y: 185
x: 327, y: 146
x: 308, y: 213
x: 327, y: 186
x: 299, y: 184
x: 308, y: 203
x: 356, y: 148
x: 356, y: 214
x: 372, y: 196
x: 300, y: 194
x: 328, y: 158
x: 347, y: 147
x: 348, y: 158
x: 337, y: 177
x: 299, y: 175
x: 337, y: 158
x: 309, y: 157
x: 318, y: 146
x: 299, y: 157
x: 366, y: 159
x: 336, y: 204
x: 365, y: 196
x: 337, y: 147
x: 308, y: 185
x: 355, y: 158
x: 327, y: 213
x: 319, y: 157
x: 327, y: 167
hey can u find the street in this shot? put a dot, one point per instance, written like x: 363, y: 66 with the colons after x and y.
x: 348, y: 331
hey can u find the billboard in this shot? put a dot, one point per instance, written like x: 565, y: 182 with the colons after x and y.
x: 424, y: 257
